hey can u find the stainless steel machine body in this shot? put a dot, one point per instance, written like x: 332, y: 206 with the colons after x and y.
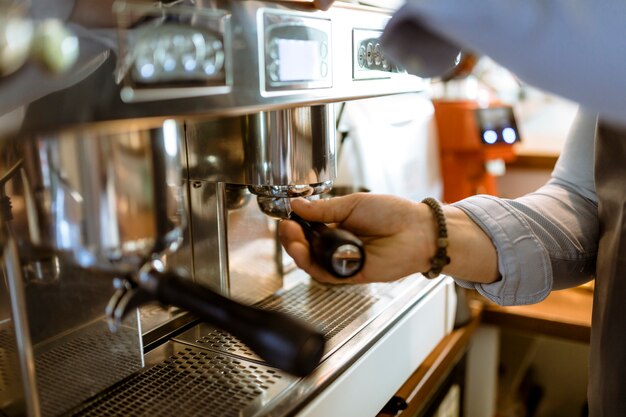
x: 280, y: 149
x: 211, y: 105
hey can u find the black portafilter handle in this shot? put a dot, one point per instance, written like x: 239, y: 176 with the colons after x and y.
x: 282, y: 341
x: 340, y: 252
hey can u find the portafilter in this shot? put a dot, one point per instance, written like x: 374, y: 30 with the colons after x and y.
x: 109, y: 197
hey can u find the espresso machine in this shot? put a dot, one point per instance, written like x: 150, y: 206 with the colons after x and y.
x: 142, y: 274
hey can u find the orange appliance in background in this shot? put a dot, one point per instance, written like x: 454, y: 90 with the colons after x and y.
x: 474, y: 144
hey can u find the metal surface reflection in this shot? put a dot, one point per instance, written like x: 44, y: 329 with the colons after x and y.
x: 107, y: 198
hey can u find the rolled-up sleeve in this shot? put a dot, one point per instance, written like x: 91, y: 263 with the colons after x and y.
x: 547, y: 239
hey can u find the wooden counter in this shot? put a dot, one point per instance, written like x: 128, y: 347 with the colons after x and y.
x: 533, y: 160
x: 565, y: 314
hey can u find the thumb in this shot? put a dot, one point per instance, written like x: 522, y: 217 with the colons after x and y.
x: 330, y: 210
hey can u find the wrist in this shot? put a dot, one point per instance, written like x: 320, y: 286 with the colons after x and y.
x: 427, y: 237
x: 441, y: 258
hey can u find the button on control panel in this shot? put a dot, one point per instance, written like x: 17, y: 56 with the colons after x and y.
x: 369, y: 59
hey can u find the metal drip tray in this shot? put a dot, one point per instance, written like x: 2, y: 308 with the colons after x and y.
x: 336, y: 311
x: 10, y: 381
x: 8, y: 357
x: 184, y: 380
x: 69, y: 369
x: 207, y: 372
x: 74, y: 368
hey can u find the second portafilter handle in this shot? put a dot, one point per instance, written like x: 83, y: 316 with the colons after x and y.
x: 283, y: 342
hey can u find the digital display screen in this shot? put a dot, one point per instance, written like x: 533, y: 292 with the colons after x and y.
x: 298, y: 60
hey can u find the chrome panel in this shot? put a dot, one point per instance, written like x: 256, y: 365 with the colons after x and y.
x: 244, y: 94
x: 109, y: 197
x: 235, y: 252
x: 294, y: 146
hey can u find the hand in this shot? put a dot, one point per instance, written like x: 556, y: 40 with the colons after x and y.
x: 398, y: 234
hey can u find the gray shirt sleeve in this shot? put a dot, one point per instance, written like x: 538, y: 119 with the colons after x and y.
x: 573, y: 48
x: 547, y: 239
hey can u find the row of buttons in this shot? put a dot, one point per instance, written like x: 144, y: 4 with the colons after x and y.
x: 176, y: 53
x: 370, y: 56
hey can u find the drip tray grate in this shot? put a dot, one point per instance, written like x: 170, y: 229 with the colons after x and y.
x: 80, y: 366
x: 330, y: 309
x: 207, y: 372
x: 10, y: 382
x: 195, y: 382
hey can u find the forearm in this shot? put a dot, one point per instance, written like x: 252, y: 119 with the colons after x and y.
x: 472, y: 254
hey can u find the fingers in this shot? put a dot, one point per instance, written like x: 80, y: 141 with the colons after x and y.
x: 333, y: 210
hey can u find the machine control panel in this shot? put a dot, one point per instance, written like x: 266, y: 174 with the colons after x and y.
x: 369, y: 60
x: 172, y: 52
x: 295, y: 51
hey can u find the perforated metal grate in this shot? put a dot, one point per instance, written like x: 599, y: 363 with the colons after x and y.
x: 192, y: 381
x: 220, y: 340
x: 76, y: 369
x: 330, y: 309
x: 8, y: 360
x: 153, y: 316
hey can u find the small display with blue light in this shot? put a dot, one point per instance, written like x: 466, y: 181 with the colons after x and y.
x: 497, y: 125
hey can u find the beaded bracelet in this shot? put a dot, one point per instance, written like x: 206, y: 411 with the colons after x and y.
x: 441, y: 257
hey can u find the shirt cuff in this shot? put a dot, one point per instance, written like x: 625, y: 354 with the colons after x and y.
x: 523, y: 262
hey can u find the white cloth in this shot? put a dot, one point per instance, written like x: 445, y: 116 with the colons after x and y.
x: 390, y: 147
